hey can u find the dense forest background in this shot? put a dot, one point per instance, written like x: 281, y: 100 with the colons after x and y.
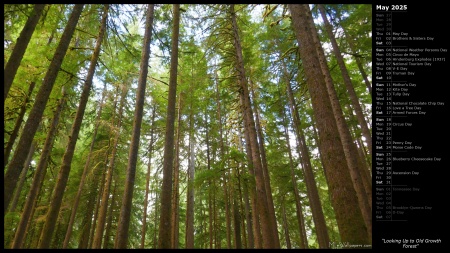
x: 187, y: 126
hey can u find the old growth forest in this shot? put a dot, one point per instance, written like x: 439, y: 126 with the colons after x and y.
x: 187, y: 126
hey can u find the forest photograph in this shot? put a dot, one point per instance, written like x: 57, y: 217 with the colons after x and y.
x: 187, y: 126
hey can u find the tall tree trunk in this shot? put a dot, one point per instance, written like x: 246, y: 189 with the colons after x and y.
x: 97, y: 240
x: 165, y: 232
x: 147, y: 184
x: 343, y: 196
x: 268, y: 230
x: 311, y: 186
x: 222, y: 155
x: 15, y: 132
x: 236, y: 217
x: 83, y: 175
x: 30, y: 128
x: 38, y: 178
x: 190, y: 193
x: 106, y: 239
x: 176, y: 182
x: 346, y: 139
x: 97, y: 208
x: 348, y: 82
x: 22, y: 178
x: 63, y: 175
x: 265, y: 168
x: 252, y: 190
x: 21, y: 46
x: 125, y: 210
x: 298, y: 204
x: 286, y: 228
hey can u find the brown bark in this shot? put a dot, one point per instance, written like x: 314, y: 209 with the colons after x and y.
x: 30, y: 128
x: 63, y: 175
x: 266, y: 173
x: 286, y: 229
x: 38, y: 178
x: 125, y: 211
x: 311, y: 186
x: 147, y: 184
x: 343, y: 196
x: 165, y: 224
x: 176, y: 181
x: 83, y: 176
x: 344, y: 132
x: 20, y: 47
x: 347, y: 81
x: 268, y: 230
x: 15, y: 132
x: 22, y: 178
x: 190, y: 182
x: 98, y: 236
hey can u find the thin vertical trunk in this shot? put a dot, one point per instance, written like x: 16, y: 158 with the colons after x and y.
x: 106, y: 239
x: 20, y: 47
x: 251, y: 188
x: 268, y: 230
x: 236, y: 218
x: 38, y: 178
x: 286, y: 229
x: 211, y: 185
x: 349, y: 147
x: 311, y: 186
x: 97, y: 240
x: 265, y: 168
x: 147, y: 184
x: 22, y: 178
x: 125, y: 210
x: 298, y: 204
x: 343, y: 196
x: 348, y: 82
x: 30, y: 128
x: 176, y: 181
x: 15, y: 132
x: 190, y: 193
x: 165, y: 224
x: 83, y: 175
x: 97, y: 208
x: 63, y: 175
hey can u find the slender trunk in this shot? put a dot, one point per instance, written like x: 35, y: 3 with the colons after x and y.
x: 190, y: 193
x: 97, y: 208
x: 147, y: 184
x: 125, y: 210
x: 22, y: 178
x: 349, y: 147
x: 15, y: 132
x: 343, y: 196
x: 266, y: 174
x: 348, y: 82
x: 30, y: 128
x: 251, y: 187
x: 298, y: 205
x: 237, y: 220
x: 19, y: 49
x: 311, y: 186
x: 63, y: 175
x: 286, y: 229
x: 106, y: 239
x: 165, y: 223
x: 38, y: 178
x: 97, y: 240
x: 83, y: 175
x: 268, y: 230
x: 176, y: 182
